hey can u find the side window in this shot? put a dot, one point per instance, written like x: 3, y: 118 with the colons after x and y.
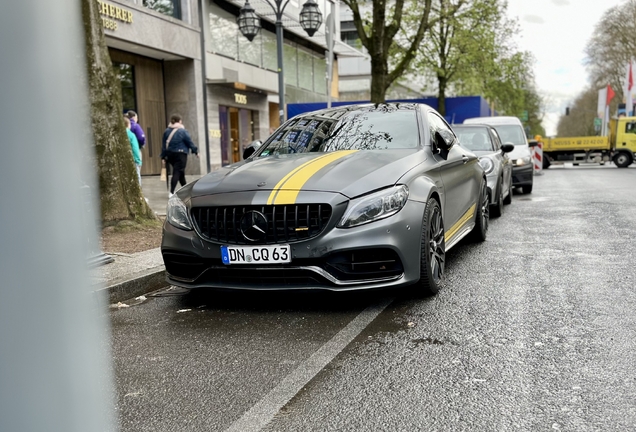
x: 630, y: 127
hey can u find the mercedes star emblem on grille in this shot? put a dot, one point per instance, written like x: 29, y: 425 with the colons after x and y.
x: 254, y: 226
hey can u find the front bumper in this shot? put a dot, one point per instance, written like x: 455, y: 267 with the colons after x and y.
x: 380, y: 254
x: 522, y: 175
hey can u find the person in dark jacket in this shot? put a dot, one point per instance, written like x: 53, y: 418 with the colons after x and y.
x: 175, y: 146
x: 136, y: 129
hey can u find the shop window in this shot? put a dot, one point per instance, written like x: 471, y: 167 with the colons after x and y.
x: 290, y: 63
x: 250, y: 52
x: 224, y: 32
x: 167, y: 7
x: 305, y: 70
x: 320, y: 75
x: 126, y: 75
x: 270, y: 59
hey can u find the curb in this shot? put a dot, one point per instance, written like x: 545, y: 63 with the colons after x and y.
x: 136, y: 284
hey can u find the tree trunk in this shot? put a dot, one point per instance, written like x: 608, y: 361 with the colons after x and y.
x: 379, y: 72
x: 120, y: 192
x: 441, y: 95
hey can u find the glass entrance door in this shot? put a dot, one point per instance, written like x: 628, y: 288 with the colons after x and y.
x: 237, y: 132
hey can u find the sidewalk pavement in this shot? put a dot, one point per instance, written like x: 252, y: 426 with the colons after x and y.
x: 132, y: 275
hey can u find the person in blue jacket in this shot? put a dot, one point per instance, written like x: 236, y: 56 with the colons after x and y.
x: 134, y: 146
x: 136, y: 129
x: 175, y: 146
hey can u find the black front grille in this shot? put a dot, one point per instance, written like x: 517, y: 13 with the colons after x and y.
x: 285, y: 223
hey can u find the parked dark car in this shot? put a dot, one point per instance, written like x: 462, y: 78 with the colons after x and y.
x: 367, y: 196
x: 484, y: 141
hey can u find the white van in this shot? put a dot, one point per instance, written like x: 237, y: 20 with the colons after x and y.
x: 511, y: 131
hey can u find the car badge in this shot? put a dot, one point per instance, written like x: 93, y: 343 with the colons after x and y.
x: 253, y: 226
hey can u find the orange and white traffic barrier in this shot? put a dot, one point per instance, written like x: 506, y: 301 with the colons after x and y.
x: 537, y: 157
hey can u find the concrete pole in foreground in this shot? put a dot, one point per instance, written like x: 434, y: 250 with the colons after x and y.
x: 55, y: 370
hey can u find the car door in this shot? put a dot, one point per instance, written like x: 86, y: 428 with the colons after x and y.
x: 457, y: 171
x: 504, y: 160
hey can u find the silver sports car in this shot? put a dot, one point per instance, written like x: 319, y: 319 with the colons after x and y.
x: 484, y: 141
x: 367, y: 196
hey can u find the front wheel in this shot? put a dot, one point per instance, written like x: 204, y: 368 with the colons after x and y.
x: 483, y: 216
x: 622, y: 160
x: 527, y: 189
x: 433, y: 250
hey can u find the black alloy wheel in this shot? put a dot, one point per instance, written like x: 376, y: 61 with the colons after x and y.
x: 480, y: 231
x: 497, y: 208
x: 433, y: 250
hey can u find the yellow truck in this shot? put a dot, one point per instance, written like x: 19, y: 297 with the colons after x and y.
x: 619, y: 147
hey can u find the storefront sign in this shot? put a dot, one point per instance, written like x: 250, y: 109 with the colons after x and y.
x: 240, y: 98
x: 112, y: 14
x: 215, y: 133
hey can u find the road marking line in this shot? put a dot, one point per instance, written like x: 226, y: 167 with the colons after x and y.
x: 264, y: 411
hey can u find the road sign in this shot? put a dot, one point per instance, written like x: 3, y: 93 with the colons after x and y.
x: 524, y: 116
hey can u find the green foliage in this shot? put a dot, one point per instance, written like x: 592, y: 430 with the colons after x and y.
x: 612, y: 46
x: 378, y: 23
x: 468, y: 51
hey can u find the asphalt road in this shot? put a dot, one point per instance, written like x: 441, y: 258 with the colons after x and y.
x: 534, y: 330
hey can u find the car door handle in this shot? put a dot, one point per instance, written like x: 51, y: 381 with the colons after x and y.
x: 465, y: 158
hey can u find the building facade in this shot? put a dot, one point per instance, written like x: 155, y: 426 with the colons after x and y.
x: 189, y: 57
x: 155, y: 47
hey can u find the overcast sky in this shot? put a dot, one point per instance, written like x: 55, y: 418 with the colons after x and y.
x: 556, y: 32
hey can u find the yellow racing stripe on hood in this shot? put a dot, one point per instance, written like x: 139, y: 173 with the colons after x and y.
x: 287, y: 190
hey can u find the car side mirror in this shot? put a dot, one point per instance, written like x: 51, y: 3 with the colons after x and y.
x: 444, y: 139
x: 507, y: 148
x: 533, y: 143
x: 250, y: 149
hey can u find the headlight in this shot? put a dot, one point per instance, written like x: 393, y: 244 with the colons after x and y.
x: 486, y: 164
x: 177, y: 213
x: 374, y: 207
x: 522, y: 161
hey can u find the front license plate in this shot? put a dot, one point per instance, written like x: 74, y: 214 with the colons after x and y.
x: 278, y: 254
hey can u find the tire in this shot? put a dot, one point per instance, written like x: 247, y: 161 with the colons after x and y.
x: 622, y: 160
x: 527, y: 189
x: 546, y: 161
x: 480, y: 231
x: 433, y: 250
x: 508, y: 200
x: 496, y: 210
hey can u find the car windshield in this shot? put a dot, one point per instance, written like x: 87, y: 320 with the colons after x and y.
x: 475, y: 139
x: 511, y: 134
x: 377, y: 129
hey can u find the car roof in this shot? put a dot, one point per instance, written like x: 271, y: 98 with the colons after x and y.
x: 472, y: 126
x: 501, y: 120
x: 368, y: 107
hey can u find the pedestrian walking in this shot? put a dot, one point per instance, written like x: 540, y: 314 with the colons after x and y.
x: 136, y: 129
x: 134, y: 146
x: 175, y: 146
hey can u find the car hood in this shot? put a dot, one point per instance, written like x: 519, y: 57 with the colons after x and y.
x: 520, y: 151
x: 350, y: 173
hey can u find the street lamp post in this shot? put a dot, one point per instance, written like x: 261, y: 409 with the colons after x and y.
x: 249, y: 25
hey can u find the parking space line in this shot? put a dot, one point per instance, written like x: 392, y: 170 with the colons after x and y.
x: 264, y: 411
